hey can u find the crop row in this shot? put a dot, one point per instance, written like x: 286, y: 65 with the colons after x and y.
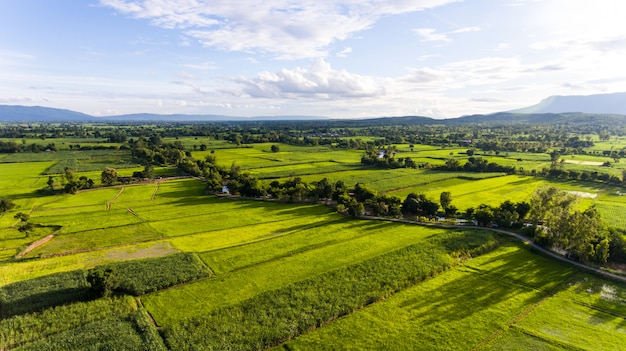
x: 457, y: 310
x: 135, y: 277
x: 125, y: 333
x: 151, y: 274
x: 272, y: 317
x: 18, y: 330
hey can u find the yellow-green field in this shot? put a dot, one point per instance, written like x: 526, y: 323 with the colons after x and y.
x: 500, y: 296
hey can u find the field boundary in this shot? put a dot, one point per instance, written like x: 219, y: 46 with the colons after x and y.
x: 35, y: 245
x: 108, y: 204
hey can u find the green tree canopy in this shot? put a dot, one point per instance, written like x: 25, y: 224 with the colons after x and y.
x: 108, y: 176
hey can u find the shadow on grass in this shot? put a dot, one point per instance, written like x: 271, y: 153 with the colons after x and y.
x: 37, y: 294
x: 479, y: 290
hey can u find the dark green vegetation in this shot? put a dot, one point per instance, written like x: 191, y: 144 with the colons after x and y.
x: 115, y: 238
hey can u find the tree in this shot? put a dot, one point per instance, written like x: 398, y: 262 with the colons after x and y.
x: 23, y: 217
x: 214, y: 180
x: 445, y: 199
x: 50, y: 182
x: 69, y: 174
x: 419, y: 204
x: 411, y: 204
x: 483, y: 215
x: 108, y: 176
x: 275, y: 148
x: 103, y: 281
x: 356, y: 209
x: 324, y: 189
x: 522, y: 209
x: 450, y: 210
x: 6, y: 204
x: 363, y: 193
x: 581, y: 234
x: 24, y: 227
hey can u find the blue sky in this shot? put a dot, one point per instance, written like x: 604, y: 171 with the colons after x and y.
x: 342, y: 59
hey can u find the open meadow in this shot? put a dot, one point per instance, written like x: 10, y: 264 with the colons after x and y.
x: 211, y: 272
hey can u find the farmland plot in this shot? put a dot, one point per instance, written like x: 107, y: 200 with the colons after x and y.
x: 457, y: 310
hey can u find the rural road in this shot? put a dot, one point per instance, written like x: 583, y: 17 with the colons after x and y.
x: 515, y: 235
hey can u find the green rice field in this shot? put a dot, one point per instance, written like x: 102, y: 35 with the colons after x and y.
x: 293, y: 276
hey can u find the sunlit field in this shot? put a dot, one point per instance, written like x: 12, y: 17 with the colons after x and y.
x: 326, y: 274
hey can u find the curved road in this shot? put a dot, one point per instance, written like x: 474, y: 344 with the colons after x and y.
x: 515, y: 235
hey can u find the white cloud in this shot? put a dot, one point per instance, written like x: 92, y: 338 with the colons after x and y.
x: 344, y: 52
x: 288, y: 29
x: 319, y: 81
x: 430, y: 34
x: 202, y: 66
x: 466, y: 30
x: 426, y: 75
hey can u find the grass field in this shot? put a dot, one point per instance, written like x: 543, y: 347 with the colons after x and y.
x: 504, y: 300
x: 509, y: 298
x: 471, y: 193
x: 352, y: 241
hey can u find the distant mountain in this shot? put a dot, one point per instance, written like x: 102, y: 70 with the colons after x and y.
x: 152, y: 117
x: 591, y: 119
x: 9, y: 113
x: 599, y: 104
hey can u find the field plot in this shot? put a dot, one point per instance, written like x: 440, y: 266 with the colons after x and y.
x: 394, y: 181
x: 260, y: 156
x: 353, y: 242
x: 298, y: 170
x: 471, y: 193
x: 589, y: 313
x: 22, y: 178
x: 457, y: 310
x: 80, y: 160
x: 12, y: 272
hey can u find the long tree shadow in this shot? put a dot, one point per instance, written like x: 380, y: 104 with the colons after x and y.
x: 477, y: 290
x: 40, y: 293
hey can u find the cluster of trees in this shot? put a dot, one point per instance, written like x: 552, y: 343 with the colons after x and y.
x: 73, y: 184
x: 11, y: 147
x: 476, y: 164
x: 507, y: 215
x: 154, y: 151
x: 556, y: 171
x: 25, y: 226
x: 580, y: 234
x: 385, y: 158
x: 6, y: 204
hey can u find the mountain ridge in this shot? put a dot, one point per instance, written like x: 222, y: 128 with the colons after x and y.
x: 613, y: 103
x: 554, y: 109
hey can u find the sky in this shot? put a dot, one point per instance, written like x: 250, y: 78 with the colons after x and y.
x: 339, y: 59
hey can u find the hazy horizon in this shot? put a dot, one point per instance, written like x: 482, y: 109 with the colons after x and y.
x: 435, y: 58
